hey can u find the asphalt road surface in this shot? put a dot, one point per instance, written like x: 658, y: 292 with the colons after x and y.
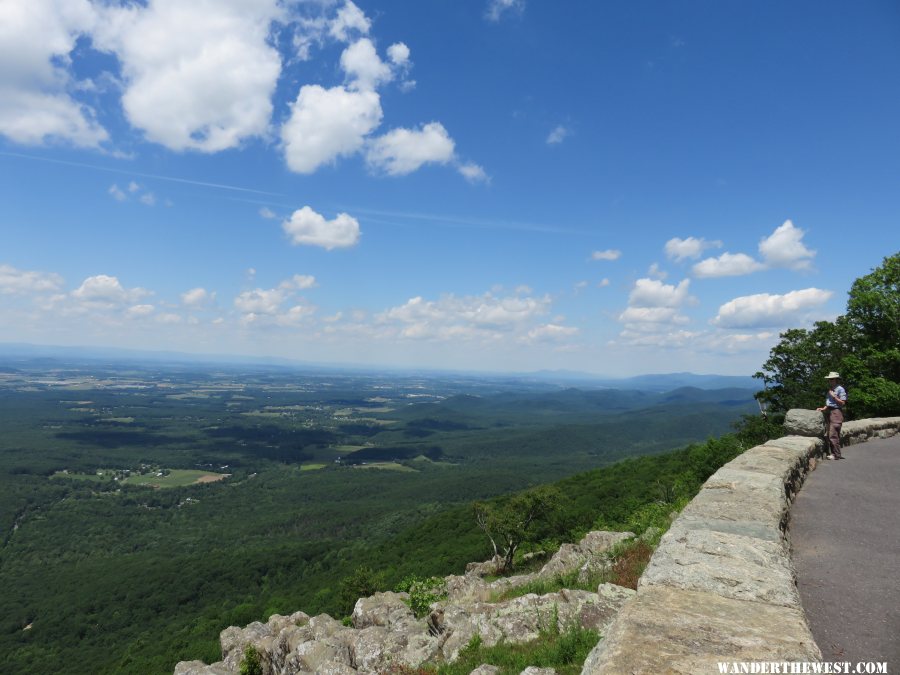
x: 845, y: 536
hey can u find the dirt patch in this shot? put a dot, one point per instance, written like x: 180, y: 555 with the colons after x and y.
x: 212, y: 478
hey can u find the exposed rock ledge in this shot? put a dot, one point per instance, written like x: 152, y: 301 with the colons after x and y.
x: 721, y: 586
x: 385, y: 632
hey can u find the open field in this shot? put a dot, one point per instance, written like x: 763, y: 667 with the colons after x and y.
x: 175, y: 478
x: 155, y: 479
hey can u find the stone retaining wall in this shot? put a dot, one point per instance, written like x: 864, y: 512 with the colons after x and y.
x: 721, y: 586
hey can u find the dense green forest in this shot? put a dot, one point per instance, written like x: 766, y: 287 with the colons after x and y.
x: 314, y: 475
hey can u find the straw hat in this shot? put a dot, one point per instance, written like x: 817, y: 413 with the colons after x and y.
x: 832, y: 376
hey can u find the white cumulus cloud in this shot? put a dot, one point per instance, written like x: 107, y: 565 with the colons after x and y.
x: 197, y: 297
x: 260, y: 301
x: 350, y: 20
x: 140, y: 310
x: 785, y: 248
x: 654, y: 293
x: 198, y: 75
x: 727, y: 265
x: 486, y: 316
x: 106, y: 290
x: 680, y: 249
x: 653, y: 312
x: 403, y: 151
x: 771, y: 310
x: 550, y: 332
x: 365, y: 69
x: 398, y: 53
x: 326, y: 124
x: 653, y: 315
x: 36, y: 103
x: 308, y: 228
x: 14, y: 281
x: 264, y: 306
x: 298, y: 282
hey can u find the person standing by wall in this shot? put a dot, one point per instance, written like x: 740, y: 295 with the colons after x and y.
x: 835, y: 401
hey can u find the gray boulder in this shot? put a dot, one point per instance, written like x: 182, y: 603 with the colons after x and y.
x: 200, y: 668
x: 799, y: 422
x: 485, y: 669
x: 382, y: 609
x: 587, y: 556
x: 466, y: 588
x: 522, y: 619
x: 482, y: 569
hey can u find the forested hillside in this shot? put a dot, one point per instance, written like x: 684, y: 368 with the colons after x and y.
x: 115, y: 560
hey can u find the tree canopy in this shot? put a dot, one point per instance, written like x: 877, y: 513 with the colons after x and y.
x: 510, y: 523
x: 863, y: 345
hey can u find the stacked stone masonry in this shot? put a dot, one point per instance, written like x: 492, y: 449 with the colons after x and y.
x: 721, y: 586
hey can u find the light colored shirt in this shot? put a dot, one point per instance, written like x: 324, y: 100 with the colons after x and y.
x: 839, y: 393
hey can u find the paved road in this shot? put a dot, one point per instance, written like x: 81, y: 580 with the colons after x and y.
x: 845, y: 536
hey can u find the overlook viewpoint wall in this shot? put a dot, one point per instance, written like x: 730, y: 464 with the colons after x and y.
x: 721, y: 586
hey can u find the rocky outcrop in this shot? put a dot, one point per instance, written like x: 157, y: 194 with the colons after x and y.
x: 522, y: 619
x: 721, y: 586
x: 588, y: 556
x: 385, y: 632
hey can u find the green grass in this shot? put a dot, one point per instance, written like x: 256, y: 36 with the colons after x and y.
x: 389, y: 466
x: 628, y: 560
x: 551, y: 585
x: 312, y: 467
x: 565, y: 651
x: 344, y: 449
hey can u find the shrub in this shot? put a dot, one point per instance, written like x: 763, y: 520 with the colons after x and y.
x: 251, y: 664
x: 422, y: 593
x: 630, y: 562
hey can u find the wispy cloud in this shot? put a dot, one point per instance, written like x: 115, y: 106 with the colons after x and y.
x: 558, y: 135
x: 464, y: 221
x: 608, y: 254
x: 496, y: 9
x: 171, y: 179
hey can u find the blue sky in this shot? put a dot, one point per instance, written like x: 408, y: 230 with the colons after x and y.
x: 617, y: 188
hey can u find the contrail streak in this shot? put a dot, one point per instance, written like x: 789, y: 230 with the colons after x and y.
x: 461, y: 221
x: 172, y: 179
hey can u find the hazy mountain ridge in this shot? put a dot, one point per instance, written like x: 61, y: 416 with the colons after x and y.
x: 21, y: 355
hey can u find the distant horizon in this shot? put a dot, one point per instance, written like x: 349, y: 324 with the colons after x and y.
x: 24, y: 351
x: 497, y: 185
